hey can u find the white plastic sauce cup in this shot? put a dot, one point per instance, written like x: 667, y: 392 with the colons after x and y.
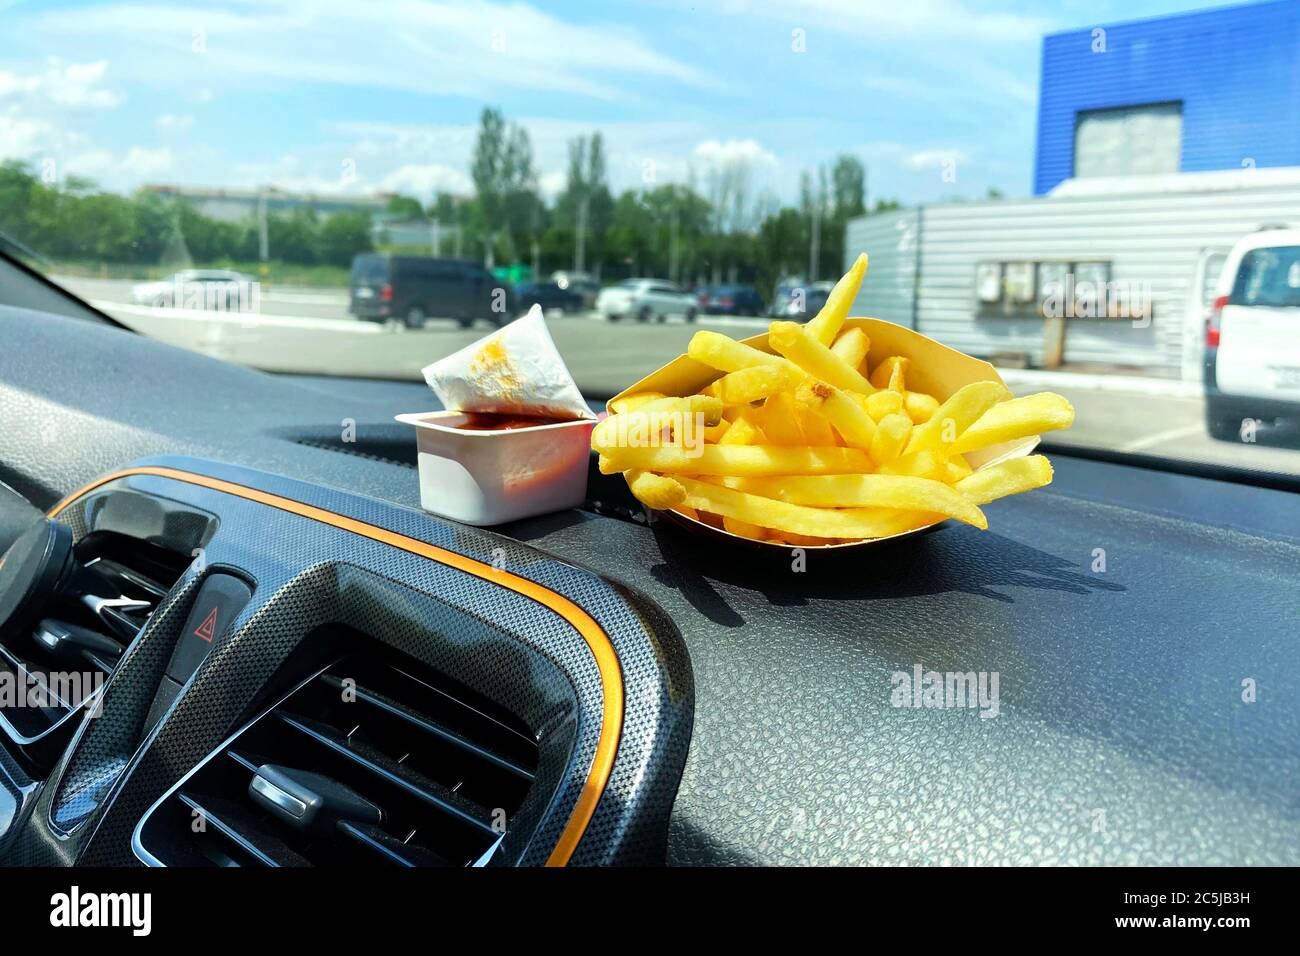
x: 484, y: 477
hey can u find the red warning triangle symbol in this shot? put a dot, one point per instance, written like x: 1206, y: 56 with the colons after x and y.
x: 205, y: 630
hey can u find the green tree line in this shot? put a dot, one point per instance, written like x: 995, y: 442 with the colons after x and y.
x: 713, y: 227
x: 74, y: 221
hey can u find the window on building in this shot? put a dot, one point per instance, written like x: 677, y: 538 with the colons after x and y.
x: 1131, y: 141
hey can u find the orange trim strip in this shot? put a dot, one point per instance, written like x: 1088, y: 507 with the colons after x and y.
x: 602, y: 649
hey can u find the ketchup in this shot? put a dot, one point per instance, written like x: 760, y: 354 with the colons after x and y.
x: 484, y: 422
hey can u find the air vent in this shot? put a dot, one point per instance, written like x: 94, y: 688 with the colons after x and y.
x: 366, y: 763
x: 68, y: 633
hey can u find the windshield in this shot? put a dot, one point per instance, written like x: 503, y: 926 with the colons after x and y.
x: 1046, y: 186
x: 1269, y: 277
x: 369, y: 269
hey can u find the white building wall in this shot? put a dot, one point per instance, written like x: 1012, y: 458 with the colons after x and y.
x: 890, y: 241
x: 1151, y: 237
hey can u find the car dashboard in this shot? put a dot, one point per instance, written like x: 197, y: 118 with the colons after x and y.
x: 593, y: 687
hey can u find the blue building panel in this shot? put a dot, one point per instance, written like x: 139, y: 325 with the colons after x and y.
x: 1235, y: 71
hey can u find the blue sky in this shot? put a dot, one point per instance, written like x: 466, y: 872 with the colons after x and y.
x: 354, y: 97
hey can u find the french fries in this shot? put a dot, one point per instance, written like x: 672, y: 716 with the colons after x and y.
x: 825, y: 325
x: 885, y: 402
x: 747, y: 385
x: 728, y: 355
x: 655, y: 491
x: 957, y: 414
x: 890, y: 372
x: 852, y: 345
x: 920, y: 407
x: 631, y: 403
x: 891, y: 438
x: 850, y: 419
x: 1008, y: 478
x: 748, y: 461
x: 818, y: 442
x: 863, y: 491
x: 1018, y: 418
x: 797, y: 519
x: 798, y: 346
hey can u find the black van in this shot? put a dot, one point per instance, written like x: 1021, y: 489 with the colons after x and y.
x: 410, y: 289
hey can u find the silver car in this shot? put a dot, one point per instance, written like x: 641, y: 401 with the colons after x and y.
x: 220, y: 290
x: 646, y: 300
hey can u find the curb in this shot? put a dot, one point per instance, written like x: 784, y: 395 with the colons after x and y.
x: 1135, y: 384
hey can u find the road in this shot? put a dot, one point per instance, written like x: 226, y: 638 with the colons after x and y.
x: 309, y: 331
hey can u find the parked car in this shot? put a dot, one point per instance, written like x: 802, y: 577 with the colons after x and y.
x: 208, y: 289
x: 409, y: 289
x: 646, y: 299
x: 802, y: 302
x: 1252, y: 338
x: 550, y: 296
x: 781, y: 294
x: 583, y: 283
x: 730, y: 300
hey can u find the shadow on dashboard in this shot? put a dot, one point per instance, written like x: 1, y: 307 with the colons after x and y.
x: 956, y: 559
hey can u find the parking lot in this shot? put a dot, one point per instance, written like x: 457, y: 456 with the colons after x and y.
x: 309, y: 331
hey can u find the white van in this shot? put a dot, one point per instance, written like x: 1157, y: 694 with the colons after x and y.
x: 1252, y: 338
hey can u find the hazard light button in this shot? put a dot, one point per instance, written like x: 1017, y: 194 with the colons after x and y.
x: 220, y: 600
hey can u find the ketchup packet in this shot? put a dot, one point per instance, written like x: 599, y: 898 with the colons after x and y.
x: 514, y: 371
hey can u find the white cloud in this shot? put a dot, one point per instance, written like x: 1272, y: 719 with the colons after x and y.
x: 174, y: 122
x: 629, y: 146
x: 92, y: 163
x: 552, y: 184
x: 22, y: 137
x: 74, y: 86
x: 930, y: 158
x: 478, y: 49
x: 747, y: 151
x: 423, y: 180
x: 930, y: 18
x: 143, y: 163
x: 103, y: 165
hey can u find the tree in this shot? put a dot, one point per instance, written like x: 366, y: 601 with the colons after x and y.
x: 585, y: 206
x: 848, y: 188
x: 404, y: 207
x: 487, y: 171
x: 294, y: 237
x: 208, y: 240
x: 813, y: 199
x: 525, y: 213
x: 505, y: 183
x: 782, y: 247
x: 678, y: 219
x: 736, y: 213
x: 629, y: 238
x: 343, y: 235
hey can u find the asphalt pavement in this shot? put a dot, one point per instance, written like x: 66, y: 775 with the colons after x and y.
x: 309, y: 331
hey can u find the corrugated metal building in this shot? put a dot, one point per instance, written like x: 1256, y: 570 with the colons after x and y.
x: 1218, y: 89
x: 1155, y: 140
x: 1149, y: 233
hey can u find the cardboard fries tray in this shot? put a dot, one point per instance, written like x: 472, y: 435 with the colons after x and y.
x: 935, y: 368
